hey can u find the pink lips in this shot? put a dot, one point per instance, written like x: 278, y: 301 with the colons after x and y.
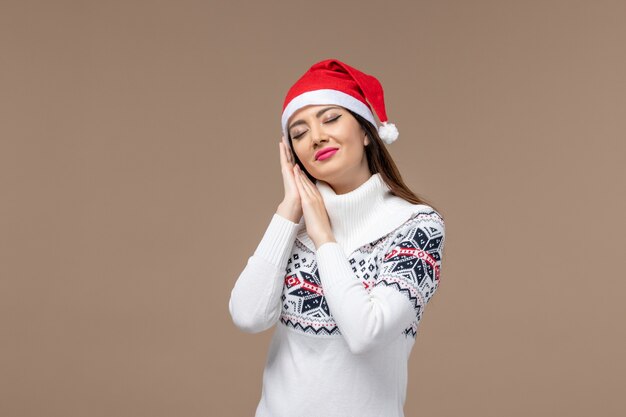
x: 327, y: 154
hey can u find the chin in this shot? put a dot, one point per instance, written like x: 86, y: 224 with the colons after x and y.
x: 325, y: 176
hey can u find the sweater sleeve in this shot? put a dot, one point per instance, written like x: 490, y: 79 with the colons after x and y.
x: 254, y: 303
x: 408, y: 276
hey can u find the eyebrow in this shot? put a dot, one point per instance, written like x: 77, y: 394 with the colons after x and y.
x: 318, y: 114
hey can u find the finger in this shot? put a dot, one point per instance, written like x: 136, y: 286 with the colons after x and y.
x: 289, y: 154
x: 306, y: 188
x: 299, y: 176
x: 284, y: 158
x: 299, y: 184
x: 305, y: 182
x: 310, y: 187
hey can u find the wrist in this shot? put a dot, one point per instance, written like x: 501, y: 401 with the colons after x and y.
x: 290, y: 210
x: 325, y: 239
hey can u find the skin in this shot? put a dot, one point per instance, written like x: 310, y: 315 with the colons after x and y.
x: 345, y: 171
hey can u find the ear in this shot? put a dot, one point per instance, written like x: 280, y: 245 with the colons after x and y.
x: 366, y: 140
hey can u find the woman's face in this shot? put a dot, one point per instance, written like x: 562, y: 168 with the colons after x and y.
x: 316, y: 128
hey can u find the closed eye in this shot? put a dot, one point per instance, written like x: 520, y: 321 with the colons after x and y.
x: 328, y: 121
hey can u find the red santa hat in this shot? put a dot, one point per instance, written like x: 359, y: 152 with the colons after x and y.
x: 334, y: 82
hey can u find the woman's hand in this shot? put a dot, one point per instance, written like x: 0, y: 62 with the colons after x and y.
x: 290, y: 207
x: 314, y: 210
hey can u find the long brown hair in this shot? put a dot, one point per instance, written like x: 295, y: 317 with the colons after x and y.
x: 379, y: 161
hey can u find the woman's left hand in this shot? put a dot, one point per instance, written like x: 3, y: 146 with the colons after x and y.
x: 313, y: 210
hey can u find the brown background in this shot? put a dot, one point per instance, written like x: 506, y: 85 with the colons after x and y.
x: 139, y: 169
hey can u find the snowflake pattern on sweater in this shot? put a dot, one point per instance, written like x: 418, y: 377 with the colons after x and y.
x: 407, y: 259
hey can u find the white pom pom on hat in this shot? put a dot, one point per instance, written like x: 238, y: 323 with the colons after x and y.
x: 388, y: 132
x: 333, y: 82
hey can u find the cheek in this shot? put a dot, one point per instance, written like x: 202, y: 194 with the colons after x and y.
x: 295, y: 151
x: 298, y: 154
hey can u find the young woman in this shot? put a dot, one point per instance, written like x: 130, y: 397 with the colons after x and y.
x: 348, y: 261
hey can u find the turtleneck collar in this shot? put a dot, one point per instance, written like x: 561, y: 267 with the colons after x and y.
x: 353, y: 212
x: 362, y: 215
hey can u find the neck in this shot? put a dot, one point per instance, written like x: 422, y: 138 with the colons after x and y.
x: 353, y: 212
x: 342, y: 186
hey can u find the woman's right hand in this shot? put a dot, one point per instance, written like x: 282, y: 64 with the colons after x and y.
x: 290, y: 207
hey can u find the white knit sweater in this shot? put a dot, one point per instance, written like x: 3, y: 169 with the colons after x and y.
x: 346, y: 313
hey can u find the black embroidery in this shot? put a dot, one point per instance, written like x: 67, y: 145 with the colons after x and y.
x: 407, y: 259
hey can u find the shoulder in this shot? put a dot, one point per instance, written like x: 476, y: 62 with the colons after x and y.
x: 422, y: 220
x: 425, y: 212
x: 408, y: 213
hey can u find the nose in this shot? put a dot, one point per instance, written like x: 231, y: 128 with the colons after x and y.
x: 318, y: 135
